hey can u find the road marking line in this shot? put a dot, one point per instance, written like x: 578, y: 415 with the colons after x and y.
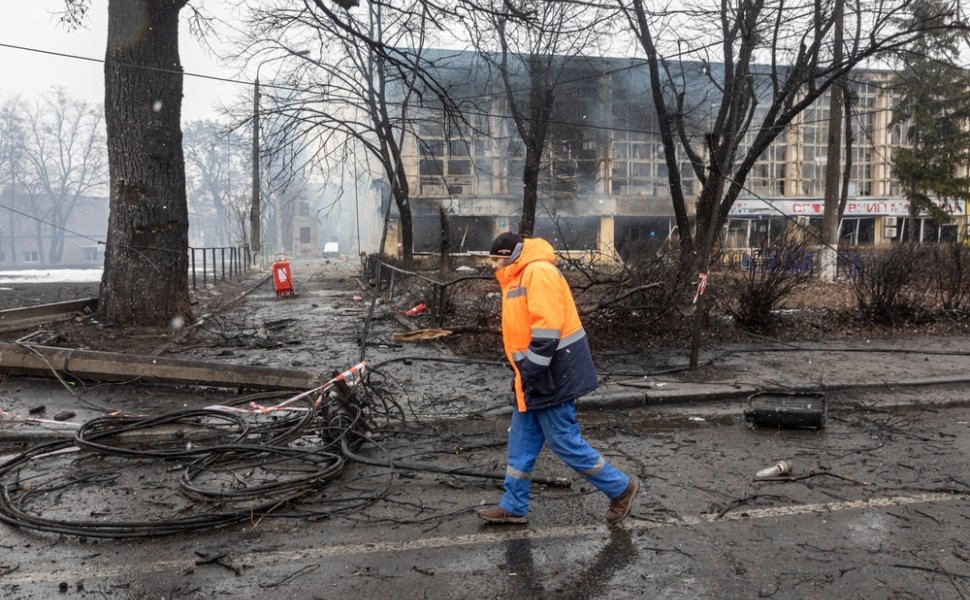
x: 101, y: 572
x: 590, y: 530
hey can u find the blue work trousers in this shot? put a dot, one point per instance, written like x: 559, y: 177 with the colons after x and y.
x: 556, y: 426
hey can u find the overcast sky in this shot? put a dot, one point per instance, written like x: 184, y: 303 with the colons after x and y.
x: 33, y: 24
x: 32, y: 28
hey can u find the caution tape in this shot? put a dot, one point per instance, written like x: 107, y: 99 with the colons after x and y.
x: 353, y: 375
x: 701, y: 286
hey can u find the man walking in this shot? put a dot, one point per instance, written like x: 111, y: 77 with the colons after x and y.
x: 545, y: 343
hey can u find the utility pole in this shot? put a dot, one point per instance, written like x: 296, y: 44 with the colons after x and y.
x: 254, y: 244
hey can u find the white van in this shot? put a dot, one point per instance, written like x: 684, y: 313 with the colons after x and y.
x: 331, y: 250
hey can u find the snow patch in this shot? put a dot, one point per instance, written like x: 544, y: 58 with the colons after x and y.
x: 51, y: 276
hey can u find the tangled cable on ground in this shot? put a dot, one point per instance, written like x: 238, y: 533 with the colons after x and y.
x: 238, y: 462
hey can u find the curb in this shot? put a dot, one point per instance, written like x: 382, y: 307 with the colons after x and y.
x: 656, y: 397
x: 697, y: 392
x: 643, y: 398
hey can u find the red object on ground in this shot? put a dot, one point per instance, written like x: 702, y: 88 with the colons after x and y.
x: 282, y: 277
x: 416, y: 310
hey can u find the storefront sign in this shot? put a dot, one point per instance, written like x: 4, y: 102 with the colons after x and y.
x: 859, y: 207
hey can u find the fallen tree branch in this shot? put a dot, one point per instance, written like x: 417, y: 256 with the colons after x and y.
x: 297, y: 573
x: 614, y: 300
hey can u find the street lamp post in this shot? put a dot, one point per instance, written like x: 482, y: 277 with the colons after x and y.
x: 254, y: 209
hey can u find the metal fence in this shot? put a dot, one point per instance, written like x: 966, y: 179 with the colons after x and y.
x: 439, y: 289
x: 848, y: 263
x: 218, y: 264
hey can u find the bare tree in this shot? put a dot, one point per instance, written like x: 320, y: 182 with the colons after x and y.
x: 12, y: 118
x: 765, y: 63
x: 217, y: 182
x: 287, y: 161
x: 363, y: 84
x: 530, y: 45
x: 64, y: 151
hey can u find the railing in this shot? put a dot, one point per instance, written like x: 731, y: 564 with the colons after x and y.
x: 848, y: 264
x: 218, y: 264
x: 268, y: 253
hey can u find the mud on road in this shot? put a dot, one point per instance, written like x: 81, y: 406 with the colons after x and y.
x: 874, y: 506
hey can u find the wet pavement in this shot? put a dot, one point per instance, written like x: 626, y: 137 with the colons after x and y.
x: 868, y: 514
x: 874, y: 506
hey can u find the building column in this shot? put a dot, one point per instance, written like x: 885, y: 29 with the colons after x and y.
x: 606, y: 240
x: 392, y: 245
x: 793, y: 163
x: 882, y: 144
x: 604, y: 167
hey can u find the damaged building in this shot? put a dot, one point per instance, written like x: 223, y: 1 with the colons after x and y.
x: 603, y: 183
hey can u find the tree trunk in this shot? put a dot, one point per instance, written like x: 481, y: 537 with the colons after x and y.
x: 39, y: 232
x: 831, y: 217
x: 407, y: 232
x: 12, y: 259
x: 847, y: 170
x: 221, y: 225
x: 220, y: 219
x: 444, y: 242
x: 145, y: 280
x: 56, y: 252
x: 401, y: 194
x: 833, y: 180
x: 530, y: 190
x: 705, y: 240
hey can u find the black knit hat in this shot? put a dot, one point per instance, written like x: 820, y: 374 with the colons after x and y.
x: 504, y: 245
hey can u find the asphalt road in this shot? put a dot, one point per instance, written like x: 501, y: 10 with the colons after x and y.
x: 875, y: 506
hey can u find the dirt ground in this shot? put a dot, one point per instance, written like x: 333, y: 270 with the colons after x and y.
x: 17, y: 295
x: 85, y: 332
x: 814, y: 313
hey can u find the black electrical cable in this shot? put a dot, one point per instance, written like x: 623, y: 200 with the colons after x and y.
x: 348, y: 448
x: 15, y: 512
x: 295, y: 452
x: 108, y: 427
x: 14, y: 515
x: 332, y: 466
x: 407, y: 466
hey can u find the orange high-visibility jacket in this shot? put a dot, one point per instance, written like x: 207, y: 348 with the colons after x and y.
x: 544, y: 339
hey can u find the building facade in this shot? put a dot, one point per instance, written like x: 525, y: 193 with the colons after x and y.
x: 604, y: 181
x: 30, y: 238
